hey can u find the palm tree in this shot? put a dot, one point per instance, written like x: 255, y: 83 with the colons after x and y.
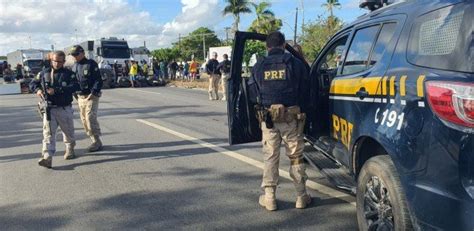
x: 330, y: 5
x: 262, y: 10
x: 236, y: 7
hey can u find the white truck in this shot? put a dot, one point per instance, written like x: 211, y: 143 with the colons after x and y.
x: 105, y: 51
x: 32, y: 60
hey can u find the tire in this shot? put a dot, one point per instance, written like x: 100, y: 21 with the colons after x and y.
x: 395, y: 215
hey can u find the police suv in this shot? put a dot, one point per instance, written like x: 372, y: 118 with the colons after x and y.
x: 391, y: 113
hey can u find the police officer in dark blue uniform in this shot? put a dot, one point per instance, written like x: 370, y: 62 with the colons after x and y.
x: 279, y: 88
x: 56, y: 85
x: 90, y: 81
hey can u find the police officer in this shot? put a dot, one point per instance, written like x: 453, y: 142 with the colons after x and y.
x: 90, y: 82
x: 214, y: 76
x: 224, y: 69
x: 279, y: 86
x: 56, y: 85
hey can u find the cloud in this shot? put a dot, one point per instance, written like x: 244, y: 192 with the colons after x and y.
x: 194, y: 14
x: 58, y: 22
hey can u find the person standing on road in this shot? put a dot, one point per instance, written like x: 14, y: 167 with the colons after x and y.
x: 133, y: 72
x: 279, y: 86
x: 214, y: 76
x: 57, y: 85
x: 193, y: 68
x: 90, y: 82
x: 224, y: 69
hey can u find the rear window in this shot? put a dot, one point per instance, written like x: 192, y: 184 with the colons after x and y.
x: 443, y: 39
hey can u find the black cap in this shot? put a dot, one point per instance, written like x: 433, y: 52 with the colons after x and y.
x: 76, y: 50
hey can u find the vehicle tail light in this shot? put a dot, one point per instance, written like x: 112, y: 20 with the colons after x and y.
x: 452, y: 101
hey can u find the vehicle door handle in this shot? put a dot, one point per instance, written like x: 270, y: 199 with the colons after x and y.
x: 362, y: 93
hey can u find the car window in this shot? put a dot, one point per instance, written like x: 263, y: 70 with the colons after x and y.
x: 383, y: 40
x: 443, y: 39
x: 333, y: 57
x: 359, y: 50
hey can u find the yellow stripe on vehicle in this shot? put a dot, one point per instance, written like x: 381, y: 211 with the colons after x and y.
x: 419, y: 86
x: 384, y: 85
x: 403, y: 90
x: 351, y: 86
x: 392, y: 86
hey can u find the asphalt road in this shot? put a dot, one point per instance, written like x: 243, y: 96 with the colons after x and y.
x: 166, y: 165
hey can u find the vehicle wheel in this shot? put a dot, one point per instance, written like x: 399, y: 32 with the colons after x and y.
x: 381, y: 202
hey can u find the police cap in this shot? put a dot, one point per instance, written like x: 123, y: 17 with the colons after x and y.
x: 76, y: 50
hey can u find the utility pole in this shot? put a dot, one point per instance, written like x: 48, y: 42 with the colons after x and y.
x: 29, y: 37
x: 302, y: 9
x: 296, y: 25
x: 227, y: 34
x: 179, y: 43
x: 204, y: 46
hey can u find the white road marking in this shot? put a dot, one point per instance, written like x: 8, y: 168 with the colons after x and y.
x: 151, y: 92
x: 310, y: 184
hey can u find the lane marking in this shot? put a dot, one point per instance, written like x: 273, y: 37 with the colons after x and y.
x: 151, y: 92
x: 310, y: 184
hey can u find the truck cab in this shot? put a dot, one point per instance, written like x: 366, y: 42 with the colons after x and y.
x: 391, y: 114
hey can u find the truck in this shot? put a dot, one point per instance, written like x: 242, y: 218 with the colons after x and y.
x: 141, y: 53
x: 106, y: 50
x: 31, y: 60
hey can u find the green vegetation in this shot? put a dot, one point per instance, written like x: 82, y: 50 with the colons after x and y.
x: 236, y: 7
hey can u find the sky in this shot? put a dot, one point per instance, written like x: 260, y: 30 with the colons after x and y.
x: 62, y: 23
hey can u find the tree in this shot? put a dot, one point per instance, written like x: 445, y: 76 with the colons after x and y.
x: 166, y: 54
x: 262, y: 10
x: 236, y: 7
x: 192, y: 44
x: 330, y: 5
x: 317, y: 34
x: 265, y: 21
x: 253, y: 47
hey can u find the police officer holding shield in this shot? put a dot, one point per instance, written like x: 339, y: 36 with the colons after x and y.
x: 279, y: 87
x: 90, y: 82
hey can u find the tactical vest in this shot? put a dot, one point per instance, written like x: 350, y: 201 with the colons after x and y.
x: 276, y: 81
x: 226, y: 66
x: 60, y: 80
x: 83, y: 73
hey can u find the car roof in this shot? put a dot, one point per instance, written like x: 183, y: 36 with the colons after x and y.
x: 411, y: 8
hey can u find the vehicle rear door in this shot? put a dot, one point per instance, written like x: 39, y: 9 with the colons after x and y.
x: 242, y: 122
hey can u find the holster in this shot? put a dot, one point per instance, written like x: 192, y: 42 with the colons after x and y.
x: 295, y: 113
x: 278, y: 113
x: 263, y: 115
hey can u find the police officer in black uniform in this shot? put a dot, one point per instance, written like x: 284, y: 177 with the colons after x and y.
x: 56, y: 85
x: 224, y: 69
x: 90, y: 81
x: 279, y: 88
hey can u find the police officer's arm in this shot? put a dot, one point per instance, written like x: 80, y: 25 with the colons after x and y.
x: 303, y: 91
x: 253, y: 87
x: 97, y: 86
x: 220, y: 67
x: 208, y: 67
x: 35, y: 84
x: 71, y: 87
